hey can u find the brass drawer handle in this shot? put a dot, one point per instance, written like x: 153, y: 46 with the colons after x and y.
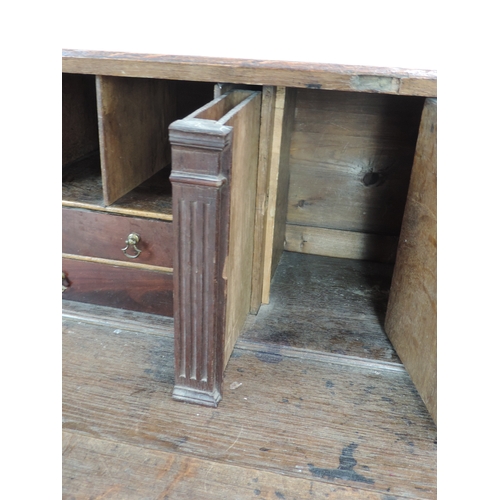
x: 132, y: 239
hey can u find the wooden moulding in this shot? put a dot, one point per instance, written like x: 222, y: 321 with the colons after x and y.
x: 254, y: 72
x: 134, y: 115
x: 214, y: 168
x: 412, y: 309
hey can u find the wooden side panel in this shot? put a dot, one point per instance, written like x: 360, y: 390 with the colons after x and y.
x: 261, y: 199
x: 102, y: 235
x: 79, y: 117
x: 134, y: 115
x: 279, y: 178
x: 350, y: 161
x: 412, y: 315
x: 125, y: 288
x: 201, y: 160
x: 245, y: 121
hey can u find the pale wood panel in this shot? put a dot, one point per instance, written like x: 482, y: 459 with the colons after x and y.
x: 292, y: 74
x: 412, y: 311
x: 343, y: 244
x: 96, y: 468
x: 80, y: 135
x: 134, y: 115
x: 220, y: 106
x: 350, y: 160
x: 245, y: 120
x: 261, y: 198
x: 341, y: 425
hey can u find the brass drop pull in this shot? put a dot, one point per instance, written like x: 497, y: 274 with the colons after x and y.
x: 132, y: 240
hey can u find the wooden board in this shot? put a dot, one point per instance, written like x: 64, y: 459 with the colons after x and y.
x: 245, y: 120
x: 134, y: 115
x: 350, y: 160
x: 327, y: 305
x: 116, y: 286
x: 97, y: 234
x: 412, y: 312
x: 338, y: 425
x: 80, y: 135
x: 293, y: 74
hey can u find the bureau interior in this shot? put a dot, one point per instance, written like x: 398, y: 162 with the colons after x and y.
x: 345, y: 166
x: 115, y: 149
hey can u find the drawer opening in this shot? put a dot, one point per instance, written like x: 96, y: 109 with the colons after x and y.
x: 343, y: 176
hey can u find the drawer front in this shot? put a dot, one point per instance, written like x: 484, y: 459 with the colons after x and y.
x: 103, y: 235
x: 122, y: 287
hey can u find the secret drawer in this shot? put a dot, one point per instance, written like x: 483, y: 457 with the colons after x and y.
x: 124, y: 287
x: 103, y: 235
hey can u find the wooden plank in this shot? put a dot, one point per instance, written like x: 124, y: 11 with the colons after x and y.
x: 252, y: 72
x: 96, y: 468
x: 340, y: 425
x: 79, y: 117
x: 412, y: 312
x: 262, y: 194
x: 117, y: 286
x: 245, y: 120
x: 217, y: 108
x: 97, y: 234
x: 342, y: 244
x: 350, y: 160
x: 278, y: 186
x: 328, y: 305
x: 134, y: 115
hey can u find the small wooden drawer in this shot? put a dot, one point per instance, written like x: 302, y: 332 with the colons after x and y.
x: 103, y: 235
x: 123, y: 287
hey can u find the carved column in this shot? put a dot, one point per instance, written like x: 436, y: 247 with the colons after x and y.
x: 201, y: 165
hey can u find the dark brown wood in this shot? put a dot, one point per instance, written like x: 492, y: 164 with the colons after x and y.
x: 412, y: 312
x: 80, y: 135
x: 98, y: 234
x: 122, y: 287
x: 134, y: 115
x: 201, y: 162
x: 292, y: 74
x: 342, y: 428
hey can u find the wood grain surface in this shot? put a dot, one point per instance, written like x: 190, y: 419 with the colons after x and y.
x: 103, y: 235
x: 363, y: 433
x: 121, y: 287
x: 412, y: 313
x: 291, y: 74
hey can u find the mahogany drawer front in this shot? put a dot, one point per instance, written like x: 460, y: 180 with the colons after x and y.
x: 103, y: 235
x: 121, y: 287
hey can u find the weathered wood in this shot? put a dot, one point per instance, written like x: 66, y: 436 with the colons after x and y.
x: 342, y: 244
x: 98, y: 234
x: 214, y: 232
x: 350, y: 160
x: 134, y: 115
x: 79, y: 117
x: 261, y: 196
x: 412, y: 312
x: 279, y: 177
x: 338, y: 425
x: 328, y: 305
x: 291, y: 74
x: 82, y: 188
x: 117, y: 286
x: 97, y: 468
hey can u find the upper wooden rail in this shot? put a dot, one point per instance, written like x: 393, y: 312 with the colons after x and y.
x: 254, y: 72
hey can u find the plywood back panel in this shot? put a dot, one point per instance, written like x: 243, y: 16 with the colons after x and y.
x: 350, y: 160
x: 134, y: 115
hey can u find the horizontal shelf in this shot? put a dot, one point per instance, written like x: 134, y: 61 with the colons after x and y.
x: 82, y: 188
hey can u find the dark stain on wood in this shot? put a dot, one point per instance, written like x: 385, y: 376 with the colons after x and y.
x: 345, y: 470
x: 279, y: 495
x: 268, y: 357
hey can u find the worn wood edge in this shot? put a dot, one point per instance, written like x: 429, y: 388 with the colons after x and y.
x: 326, y: 76
x: 203, y: 469
x: 119, y: 211
x: 341, y: 244
x: 198, y: 397
x: 119, y: 263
